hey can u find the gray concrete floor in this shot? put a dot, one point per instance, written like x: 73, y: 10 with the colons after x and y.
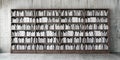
x: 8, y: 56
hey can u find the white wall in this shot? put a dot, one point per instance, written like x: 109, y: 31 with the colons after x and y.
x: 7, y: 5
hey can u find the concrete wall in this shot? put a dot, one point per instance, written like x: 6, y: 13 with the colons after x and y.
x: 7, y: 5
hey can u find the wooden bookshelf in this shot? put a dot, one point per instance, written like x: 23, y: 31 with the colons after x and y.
x: 60, y: 30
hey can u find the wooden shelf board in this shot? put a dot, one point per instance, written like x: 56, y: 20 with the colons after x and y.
x: 63, y: 51
x: 54, y: 43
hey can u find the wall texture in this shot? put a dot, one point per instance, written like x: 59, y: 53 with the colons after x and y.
x: 7, y: 5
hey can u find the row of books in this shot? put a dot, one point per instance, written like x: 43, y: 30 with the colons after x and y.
x: 96, y: 26
x: 55, y: 19
x: 46, y: 26
x: 61, y: 13
x: 57, y: 26
x: 72, y: 26
x: 96, y: 33
x: 23, y: 33
x: 23, y: 27
x: 62, y: 40
x: 97, y: 12
x: 57, y: 33
x: 35, y: 13
x: 96, y: 19
x: 61, y: 47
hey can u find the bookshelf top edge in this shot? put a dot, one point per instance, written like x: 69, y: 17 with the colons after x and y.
x: 65, y: 9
